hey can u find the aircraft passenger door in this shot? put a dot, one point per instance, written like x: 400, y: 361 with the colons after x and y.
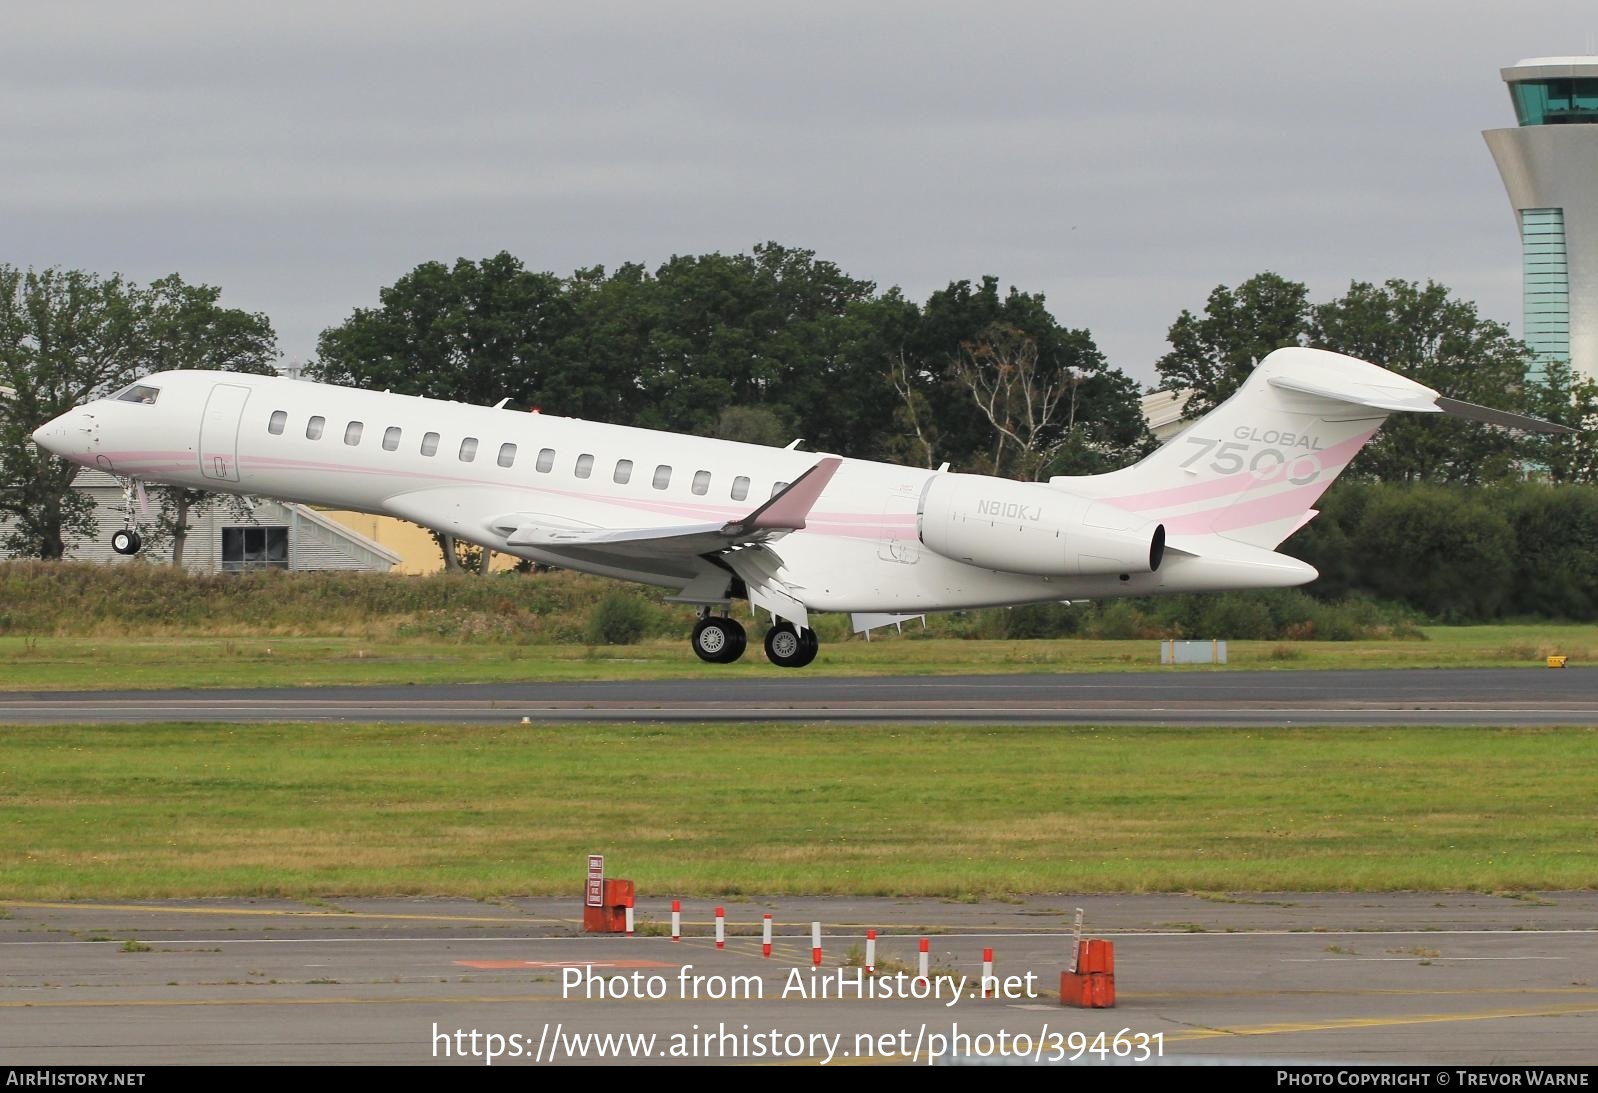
x: 219, y: 432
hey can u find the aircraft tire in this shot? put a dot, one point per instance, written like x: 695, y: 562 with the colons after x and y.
x: 126, y: 541
x: 787, y: 647
x: 738, y: 643
x: 718, y: 640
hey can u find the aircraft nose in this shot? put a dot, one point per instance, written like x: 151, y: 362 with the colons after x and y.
x: 49, y: 435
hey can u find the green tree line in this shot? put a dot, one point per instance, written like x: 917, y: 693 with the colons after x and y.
x: 778, y: 344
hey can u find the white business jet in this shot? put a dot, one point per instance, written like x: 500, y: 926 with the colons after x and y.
x: 793, y: 532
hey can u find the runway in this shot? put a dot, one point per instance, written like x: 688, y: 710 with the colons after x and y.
x: 1391, y: 979
x: 1505, y: 696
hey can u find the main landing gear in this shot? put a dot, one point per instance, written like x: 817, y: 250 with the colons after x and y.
x: 787, y: 647
x: 720, y: 640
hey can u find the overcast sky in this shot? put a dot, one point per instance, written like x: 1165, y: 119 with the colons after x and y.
x: 1121, y: 158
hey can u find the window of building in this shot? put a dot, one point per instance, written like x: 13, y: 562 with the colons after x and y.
x: 430, y: 444
x: 740, y: 488
x: 662, y: 477
x: 507, y: 455
x: 624, y: 472
x: 1555, y: 101
x: 313, y: 428
x: 391, y: 438
x: 546, y: 461
x: 584, y: 467
x: 279, y: 419
x: 246, y: 548
x: 352, y: 433
x: 701, y: 482
x: 468, y: 450
x: 778, y: 487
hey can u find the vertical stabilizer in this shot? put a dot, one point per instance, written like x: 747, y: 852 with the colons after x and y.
x: 1252, y: 469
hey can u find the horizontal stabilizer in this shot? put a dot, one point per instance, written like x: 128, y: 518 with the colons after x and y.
x: 1500, y: 417
x: 1412, y: 398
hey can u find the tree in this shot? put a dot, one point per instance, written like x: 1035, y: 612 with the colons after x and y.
x: 1442, y: 550
x: 752, y: 425
x: 1214, y: 353
x: 1567, y: 397
x: 1024, y: 403
x: 67, y: 337
x: 473, y: 332
x: 977, y: 363
x: 1428, y: 335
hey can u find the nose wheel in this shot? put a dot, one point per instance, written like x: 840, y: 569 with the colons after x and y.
x: 719, y: 640
x: 788, y: 647
x: 128, y: 540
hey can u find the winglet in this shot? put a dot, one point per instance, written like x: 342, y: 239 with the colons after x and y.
x: 788, y: 509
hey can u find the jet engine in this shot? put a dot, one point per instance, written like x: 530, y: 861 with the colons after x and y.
x: 1026, y: 527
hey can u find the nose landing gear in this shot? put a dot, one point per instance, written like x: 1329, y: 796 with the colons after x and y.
x: 128, y: 540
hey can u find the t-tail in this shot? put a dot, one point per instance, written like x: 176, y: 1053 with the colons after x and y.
x: 1234, y: 484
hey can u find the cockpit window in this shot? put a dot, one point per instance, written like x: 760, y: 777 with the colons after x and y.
x: 140, y: 392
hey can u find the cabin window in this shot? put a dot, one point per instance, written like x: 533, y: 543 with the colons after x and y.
x: 352, y: 433
x: 778, y: 487
x: 740, y: 487
x: 546, y: 461
x: 391, y: 438
x: 585, y: 466
x: 507, y: 455
x: 701, y: 482
x: 140, y: 392
x: 468, y: 450
x: 279, y: 419
x: 662, y: 477
x: 624, y: 472
x: 247, y: 548
x: 430, y: 444
x: 313, y: 428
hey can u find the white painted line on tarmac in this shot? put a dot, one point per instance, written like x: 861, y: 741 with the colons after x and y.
x: 908, y: 934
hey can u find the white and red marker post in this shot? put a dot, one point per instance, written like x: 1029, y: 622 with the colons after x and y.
x: 765, y: 935
x: 629, y: 916
x: 721, y: 928
x: 815, y: 944
x: 871, y: 952
x: 676, y: 920
x: 922, y: 959
x: 987, y: 973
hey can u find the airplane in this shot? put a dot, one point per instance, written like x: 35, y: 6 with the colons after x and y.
x: 792, y: 532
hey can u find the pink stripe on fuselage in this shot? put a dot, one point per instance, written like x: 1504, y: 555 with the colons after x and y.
x: 1265, y: 510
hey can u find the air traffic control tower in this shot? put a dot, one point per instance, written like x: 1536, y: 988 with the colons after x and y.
x: 1550, y: 168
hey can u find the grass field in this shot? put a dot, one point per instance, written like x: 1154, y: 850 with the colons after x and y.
x: 70, y: 663
x: 959, y: 812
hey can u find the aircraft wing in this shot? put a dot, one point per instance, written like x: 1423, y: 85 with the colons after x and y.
x: 784, y: 512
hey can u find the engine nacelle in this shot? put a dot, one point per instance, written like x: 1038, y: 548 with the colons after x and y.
x: 1025, y: 527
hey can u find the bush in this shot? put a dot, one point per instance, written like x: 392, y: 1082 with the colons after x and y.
x: 619, y: 618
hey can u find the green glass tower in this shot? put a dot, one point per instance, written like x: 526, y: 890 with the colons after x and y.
x: 1549, y: 164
